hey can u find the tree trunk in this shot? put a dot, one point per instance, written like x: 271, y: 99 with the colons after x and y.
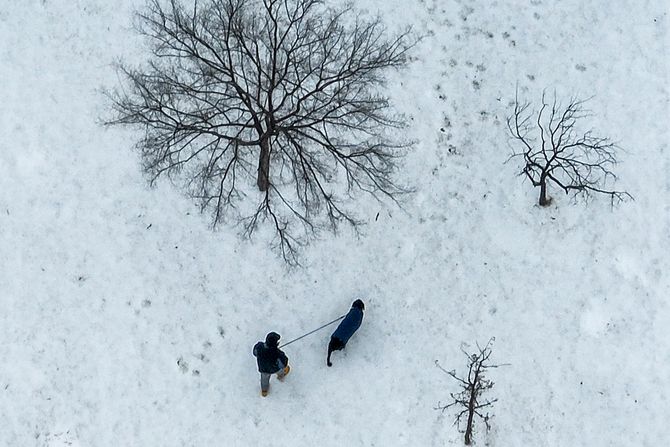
x: 544, y: 200
x: 471, y: 408
x: 263, y: 180
x: 468, y: 431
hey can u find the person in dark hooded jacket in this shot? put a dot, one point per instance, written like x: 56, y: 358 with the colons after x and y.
x: 271, y: 360
x: 352, y: 321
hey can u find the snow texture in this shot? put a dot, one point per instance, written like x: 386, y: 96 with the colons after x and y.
x: 127, y: 321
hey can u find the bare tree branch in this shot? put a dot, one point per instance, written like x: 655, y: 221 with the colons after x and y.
x: 554, y: 151
x: 473, y: 385
x: 286, y: 94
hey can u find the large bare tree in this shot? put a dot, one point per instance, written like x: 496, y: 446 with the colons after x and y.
x: 555, y: 151
x: 283, y: 94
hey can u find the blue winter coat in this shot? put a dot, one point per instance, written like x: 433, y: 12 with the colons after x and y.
x: 349, y: 325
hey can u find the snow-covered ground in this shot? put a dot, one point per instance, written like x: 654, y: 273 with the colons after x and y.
x: 106, y: 284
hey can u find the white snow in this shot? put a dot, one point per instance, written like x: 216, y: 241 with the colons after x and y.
x: 105, y: 283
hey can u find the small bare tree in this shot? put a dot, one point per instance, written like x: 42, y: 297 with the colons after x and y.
x: 473, y: 386
x: 554, y: 151
x: 281, y: 93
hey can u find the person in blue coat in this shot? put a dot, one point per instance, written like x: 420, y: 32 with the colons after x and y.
x: 347, y: 327
x: 271, y: 360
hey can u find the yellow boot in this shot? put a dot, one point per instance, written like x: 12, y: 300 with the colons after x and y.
x: 264, y: 393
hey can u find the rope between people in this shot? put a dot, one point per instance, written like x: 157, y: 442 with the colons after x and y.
x: 309, y: 333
